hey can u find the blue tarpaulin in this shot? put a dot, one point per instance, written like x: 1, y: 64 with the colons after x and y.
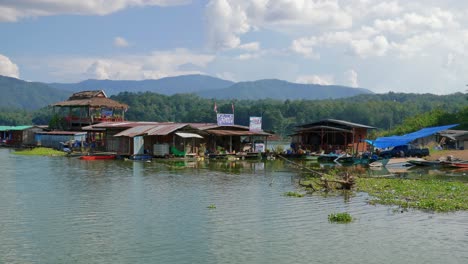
x: 392, y: 141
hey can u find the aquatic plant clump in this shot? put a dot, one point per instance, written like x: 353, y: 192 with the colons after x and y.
x: 211, y: 206
x: 294, y: 194
x: 434, y: 195
x: 41, y: 151
x: 340, y: 218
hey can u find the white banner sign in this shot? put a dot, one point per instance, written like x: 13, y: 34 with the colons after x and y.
x: 255, y: 124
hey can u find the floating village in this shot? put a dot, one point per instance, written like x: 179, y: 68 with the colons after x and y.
x: 93, y: 127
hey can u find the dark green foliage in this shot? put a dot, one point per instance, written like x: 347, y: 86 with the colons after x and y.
x: 14, y: 117
x: 391, y: 113
x: 19, y: 94
x: 281, y: 90
x: 340, y: 218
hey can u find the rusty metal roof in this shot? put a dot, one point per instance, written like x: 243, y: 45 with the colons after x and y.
x: 319, y: 128
x: 165, y: 129
x: 335, y: 122
x: 134, y: 131
x: 222, y: 132
x: 62, y: 133
x: 160, y: 129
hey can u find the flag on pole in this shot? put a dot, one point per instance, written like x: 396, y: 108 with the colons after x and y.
x: 215, y: 108
x: 232, y: 105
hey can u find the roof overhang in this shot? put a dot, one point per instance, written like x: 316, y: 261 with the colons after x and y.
x: 236, y: 133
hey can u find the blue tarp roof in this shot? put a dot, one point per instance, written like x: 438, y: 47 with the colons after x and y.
x: 392, y: 141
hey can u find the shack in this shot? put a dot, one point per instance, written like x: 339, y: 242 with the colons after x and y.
x: 331, y: 135
x: 61, y: 139
x: 232, y: 138
x: 86, y: 108
x: 453, y: 139
x: 152, y: 138
x: 18, y: 136
x: 161, y: 140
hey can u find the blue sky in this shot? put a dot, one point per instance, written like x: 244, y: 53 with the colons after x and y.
x: 401, y: 46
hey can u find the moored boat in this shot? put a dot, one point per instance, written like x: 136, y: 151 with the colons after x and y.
x: 458, y: 164
x: 423, y: 162
x: 98, y: 157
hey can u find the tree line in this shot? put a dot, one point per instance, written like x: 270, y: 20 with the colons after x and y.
x: 391, y: 113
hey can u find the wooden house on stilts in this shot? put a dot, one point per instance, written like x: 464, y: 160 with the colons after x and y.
x: 87, y: 108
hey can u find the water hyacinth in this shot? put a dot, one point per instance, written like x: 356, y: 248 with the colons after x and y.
x: 434, y: 195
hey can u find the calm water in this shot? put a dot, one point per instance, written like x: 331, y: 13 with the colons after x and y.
x: 64, y: 210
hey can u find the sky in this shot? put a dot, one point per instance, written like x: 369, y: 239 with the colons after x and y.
x: 417, y: 46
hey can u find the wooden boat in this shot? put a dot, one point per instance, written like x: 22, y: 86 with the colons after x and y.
x: 458, y: 164
x: 98, y: 157
x: 422, y: 162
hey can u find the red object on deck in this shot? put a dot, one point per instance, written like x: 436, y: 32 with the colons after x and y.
x: 98, y: 157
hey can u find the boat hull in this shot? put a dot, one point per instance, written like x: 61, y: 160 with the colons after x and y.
x: 98, y: 157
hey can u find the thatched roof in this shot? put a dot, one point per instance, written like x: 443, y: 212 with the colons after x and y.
x: 91, y: 99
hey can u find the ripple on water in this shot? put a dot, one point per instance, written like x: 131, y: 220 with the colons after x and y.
x: 66, y: 210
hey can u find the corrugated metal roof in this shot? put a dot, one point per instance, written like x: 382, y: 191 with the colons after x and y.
x: 61, y: 133
x: 126, y: 124
x: 236, y: 133
x: 134, y: 131
x: 165, y: 129
x: 308, y: 129
x: 335, y: 121
x: 14, y: 128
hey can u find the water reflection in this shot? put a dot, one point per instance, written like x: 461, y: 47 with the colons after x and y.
x: 61, y: 210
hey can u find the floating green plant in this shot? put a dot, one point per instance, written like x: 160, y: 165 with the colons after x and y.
x: 211, y: 206
x: 293, y: 194
x: 40, y: 151
x: 340, y: 218
x: 434, y: 195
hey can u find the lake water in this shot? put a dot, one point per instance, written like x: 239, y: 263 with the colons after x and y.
x: 65, y: 210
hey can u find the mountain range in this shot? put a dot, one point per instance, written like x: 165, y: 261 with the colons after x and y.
x: 17, y: 93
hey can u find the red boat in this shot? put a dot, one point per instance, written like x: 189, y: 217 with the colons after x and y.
x: 98, y: 157
x: 459, y: 164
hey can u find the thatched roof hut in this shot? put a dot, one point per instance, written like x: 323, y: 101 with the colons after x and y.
x: 94, y: 99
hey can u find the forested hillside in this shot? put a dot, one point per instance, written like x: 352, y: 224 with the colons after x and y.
x: 23, y: 95
x: 282, y: 90
x: 168, y: 86
x: 384, y: 111
x: 391, y: 112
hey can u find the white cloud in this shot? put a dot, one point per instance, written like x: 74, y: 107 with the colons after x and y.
x: 8, y: 68
x: 305, y: 46
x: 121, y: 42
x: 316, y: 79
x: 252, y: 46
x: 377, y: 46
x: 11, y: 11
x: 227, y: 20
x: 413, y: 22
x: 352, y: 77
x: 155, y: 65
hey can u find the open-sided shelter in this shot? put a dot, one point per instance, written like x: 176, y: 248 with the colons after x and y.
x: 233, y: 138
x: 89, y: 107
x: 330, y: 135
